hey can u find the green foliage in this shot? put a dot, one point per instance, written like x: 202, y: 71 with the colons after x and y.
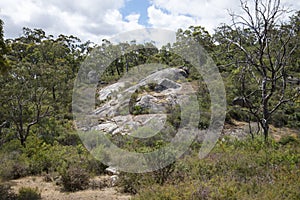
x: 36, y: 91
x: 39, y: 157
x: 120, y: 58
x: 133, y: 183
x: 130, y: 183
x: 288, y: 139
x: 3, y: 51
x: 138, y: 110
x: 26, y: 193
x: 238, y: 114
x: 174, y: 116
x: 248, y: 169
x: 13, y: 165
x: 168, y: 192
x: 48, y: 158
x: 37, y: 132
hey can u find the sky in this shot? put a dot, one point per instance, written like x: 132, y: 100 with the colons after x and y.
x: 97, y: 19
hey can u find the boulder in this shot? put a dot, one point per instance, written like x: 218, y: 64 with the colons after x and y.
x: 112, y: 171
x: 114, y: 180
x: 151, y: 103
x: 166, y: 84
x: 107, y: 92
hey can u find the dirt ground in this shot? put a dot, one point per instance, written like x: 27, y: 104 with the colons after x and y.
x: 50, y: 191
x: 241, y: 129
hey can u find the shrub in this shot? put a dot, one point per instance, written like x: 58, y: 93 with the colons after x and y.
x: 26, y: 193
x: 151, y: 87
x: 130, y: 183
x: 69, y: 139
x: 56, y: 158
x: 134, y: 183
x: 6, y: 192
x: 163, y: 174
x: 174, y: 116
x: 237, y: 113
x: 75, y: 178
x: 167, y: 192
x: 13, y: 166
x: 95, y: 166
x: 279, y: 119
x: 287, y: 139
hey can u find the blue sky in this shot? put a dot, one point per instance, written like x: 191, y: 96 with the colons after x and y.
x: 97, y: 19
x: 139, y: 7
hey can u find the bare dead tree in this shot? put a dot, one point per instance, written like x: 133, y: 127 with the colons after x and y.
x: 264, y: 51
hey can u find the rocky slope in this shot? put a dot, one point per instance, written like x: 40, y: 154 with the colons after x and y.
x: 127, y: 105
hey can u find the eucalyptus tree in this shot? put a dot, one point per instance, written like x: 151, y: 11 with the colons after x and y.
x: 3, y: 50
x: 38, y: 85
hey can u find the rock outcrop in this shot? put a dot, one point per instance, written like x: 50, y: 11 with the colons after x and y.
x: 127, y: 106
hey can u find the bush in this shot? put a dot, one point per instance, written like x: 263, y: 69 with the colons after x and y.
x: 133, y: 183
x: 13, y: 166
x: 238, y: 114
x: 69, y: 139
x: 234, y: 169
x: 95, y: 166
x: 130, y: 183
x: 26, y: 193
x: 167, y: 192
x: 287, y: 139
x: 279, y: 119
x: 75, y: 178
x: 55, y: 158
x: 6, y: 192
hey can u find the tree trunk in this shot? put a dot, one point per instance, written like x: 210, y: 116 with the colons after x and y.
x: 265, y: 107
x: 53, y: 93
x: 22, y: 140
x: 266, y: 130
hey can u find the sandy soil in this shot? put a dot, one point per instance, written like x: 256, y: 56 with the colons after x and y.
x: 50, y: 191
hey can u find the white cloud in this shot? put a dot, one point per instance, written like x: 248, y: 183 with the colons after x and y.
x: 182, y: 14
x: 160, y: 37
x: 159, y: 19
x: 97, y: 19
x: 88, y: 20
x: 114, y: 17
x: 207, y: 13
x: 133, y: 18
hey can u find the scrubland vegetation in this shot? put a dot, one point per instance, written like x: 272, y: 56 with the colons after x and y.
x: 259, y: 65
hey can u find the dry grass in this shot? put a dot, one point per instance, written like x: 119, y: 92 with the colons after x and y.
x: 50, y: 191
